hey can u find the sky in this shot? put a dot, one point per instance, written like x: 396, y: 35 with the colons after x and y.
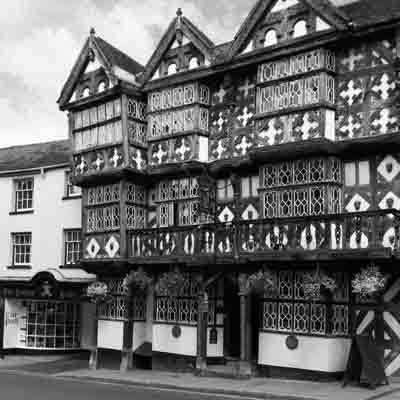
x: 41, y: 39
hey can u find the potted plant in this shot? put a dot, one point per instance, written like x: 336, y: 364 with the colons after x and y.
x: 138, y: 280
x: 171, y: 283
x: 98, y: 292
x: 369, y: 282
x: 261, y: 282
x: 314, y: 282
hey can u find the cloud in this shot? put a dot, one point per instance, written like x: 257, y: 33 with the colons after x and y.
x: 40, y: 41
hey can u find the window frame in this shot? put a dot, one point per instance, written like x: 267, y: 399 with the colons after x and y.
x: 66, y: 244
x: 68, y: 185
x: 16, y: 191
x: 356, y: 164
x: 14, y: 245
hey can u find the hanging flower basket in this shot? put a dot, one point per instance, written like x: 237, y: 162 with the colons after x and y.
x: 171, y: 283
x: 260, y: 283
x: 369, y: 281
x: 315, y: 282
x: 138, y: 280
x: 98, y: 293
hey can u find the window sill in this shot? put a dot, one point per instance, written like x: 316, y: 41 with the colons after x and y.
x: 17, y: 267
x: 78, y: 196
x: 23, y: 212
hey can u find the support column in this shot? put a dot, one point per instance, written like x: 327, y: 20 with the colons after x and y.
x: 245, y: 329
x: 202, y: 327
x: 127, y: 339
x: 2, y: 330
x: 94, y: 352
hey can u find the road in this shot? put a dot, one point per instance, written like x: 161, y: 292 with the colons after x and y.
x: 15, y: 386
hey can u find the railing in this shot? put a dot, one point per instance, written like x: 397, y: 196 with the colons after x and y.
x: 329, y: 233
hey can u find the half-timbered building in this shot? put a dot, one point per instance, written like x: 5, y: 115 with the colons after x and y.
x: 278, y: 150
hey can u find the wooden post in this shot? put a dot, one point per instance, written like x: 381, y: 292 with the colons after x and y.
x: 245, y: 329
x: 2, y: 330
x: 94, y: 352
x: 202, y: 327
x: 127, y: 339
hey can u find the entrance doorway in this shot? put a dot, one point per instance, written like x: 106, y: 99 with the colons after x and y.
x: 232, y: 318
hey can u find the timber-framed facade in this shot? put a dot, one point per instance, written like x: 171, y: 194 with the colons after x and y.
x: 277, y: 150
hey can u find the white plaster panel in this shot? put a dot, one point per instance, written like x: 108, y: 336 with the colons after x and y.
x: 164, y: 342
x: 203, y: 149
x: 110, y: 334
x: 314, y: 353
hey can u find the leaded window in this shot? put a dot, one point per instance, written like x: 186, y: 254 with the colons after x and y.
x: 116, y: 309
x: 289, y: 311
x: 180, y: 309
x: 23, y: 194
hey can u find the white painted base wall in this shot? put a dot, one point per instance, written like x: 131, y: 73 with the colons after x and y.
x: 110, y: 334
x: 186, y: 344
x: 313, y: 353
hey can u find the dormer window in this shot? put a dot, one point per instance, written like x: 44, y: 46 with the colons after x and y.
x: 102, y: 87
x: 194, y: 63
x: 300, y: 29
x: 270, y: 38
x: 172, y: 69
x: 86, y: 92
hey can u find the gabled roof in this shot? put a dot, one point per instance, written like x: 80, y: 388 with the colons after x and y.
x: 370, y: 12
x: 324, y: 8
x: 33, y: 156
x: 117, y: 64
x: 188, y: 29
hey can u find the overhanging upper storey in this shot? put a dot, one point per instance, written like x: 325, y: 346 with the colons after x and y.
x: 271, y: 22
x: 183, y: 47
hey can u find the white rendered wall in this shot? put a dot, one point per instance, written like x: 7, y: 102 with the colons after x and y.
x: 110, y: 334
x: 313, y: 353
x: 51, y: 216
x: 186, y: 344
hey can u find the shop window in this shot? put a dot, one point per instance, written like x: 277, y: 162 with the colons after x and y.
x: 21, y: 248
x: 23, y: 194
x: 357, y: 173
x: 53, y: 325
x: 288, y: 310
x: 72, y: 246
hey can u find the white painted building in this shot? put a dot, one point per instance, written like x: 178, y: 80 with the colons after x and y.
x: 41, y: 282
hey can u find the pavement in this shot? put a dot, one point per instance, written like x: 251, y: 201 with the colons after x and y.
x: 73, y: 368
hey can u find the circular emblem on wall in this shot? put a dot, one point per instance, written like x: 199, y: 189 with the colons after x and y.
x: 292, y: 342
x: 176, y: 331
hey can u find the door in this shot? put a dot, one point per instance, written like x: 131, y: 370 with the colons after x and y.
x: 232, y: 318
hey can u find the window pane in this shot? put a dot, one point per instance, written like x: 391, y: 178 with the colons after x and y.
x: 245, y: 187
x: 350, y: 174
x: 363, y: 173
